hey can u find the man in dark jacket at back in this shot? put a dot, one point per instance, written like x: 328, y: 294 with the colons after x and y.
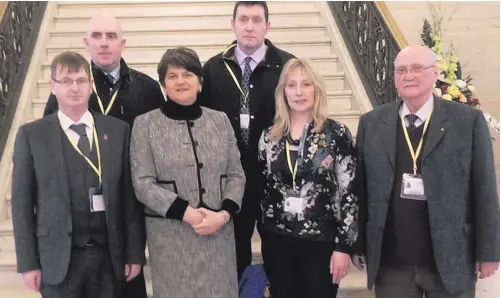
x: 241, y: 82
x: 119, y: 91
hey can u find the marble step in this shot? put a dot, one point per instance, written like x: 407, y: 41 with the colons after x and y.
x: 137, y: 35
x: 154, y: 51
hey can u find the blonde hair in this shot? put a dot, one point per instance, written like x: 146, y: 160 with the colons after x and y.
x: 282, y: 122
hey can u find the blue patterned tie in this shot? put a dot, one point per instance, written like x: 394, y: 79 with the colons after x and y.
x: 244, y: 98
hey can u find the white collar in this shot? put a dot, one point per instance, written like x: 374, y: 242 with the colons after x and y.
x: 423, y: 112
x: 66, y: 121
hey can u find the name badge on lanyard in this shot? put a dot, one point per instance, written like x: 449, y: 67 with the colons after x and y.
x: 244, y: 121
x: 294, y: 205
x: 412, y: 184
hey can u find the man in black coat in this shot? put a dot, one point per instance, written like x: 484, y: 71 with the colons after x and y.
x: 119, y: 91
x: 241, y: 82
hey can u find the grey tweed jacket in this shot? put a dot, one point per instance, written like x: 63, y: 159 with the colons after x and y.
x: 41, y: 212
x: 196, y: 160
x: 460, y: 185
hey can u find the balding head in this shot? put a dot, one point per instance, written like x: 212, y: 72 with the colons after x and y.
x: 103, y: 21
x: 418, y: 53
x: 416, y: 73
x: 104, y: 41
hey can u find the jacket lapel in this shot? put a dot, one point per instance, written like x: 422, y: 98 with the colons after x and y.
x: 56, y: 150
x: 388, y: 129
x: 438, y: 126
x: 104, y: 150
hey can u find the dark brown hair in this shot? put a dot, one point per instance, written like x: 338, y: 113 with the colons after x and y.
x: 179, y: 57
x: 251, y: 3
x: 73, y: 61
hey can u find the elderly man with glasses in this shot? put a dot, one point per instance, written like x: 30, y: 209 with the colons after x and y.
x: 429, y: 205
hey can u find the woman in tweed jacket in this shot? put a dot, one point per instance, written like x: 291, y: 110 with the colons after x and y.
x: 186, y: 170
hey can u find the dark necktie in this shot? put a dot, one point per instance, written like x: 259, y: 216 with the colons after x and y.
x: 411, y: 119
x: 83, y: 142
x: 244, y: 98
x: 111, y: 79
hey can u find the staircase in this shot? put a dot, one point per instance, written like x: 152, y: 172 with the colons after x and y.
x: 305, y: 29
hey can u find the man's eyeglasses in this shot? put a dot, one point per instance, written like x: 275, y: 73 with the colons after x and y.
x: 415, y: 68
x: 67, y: 82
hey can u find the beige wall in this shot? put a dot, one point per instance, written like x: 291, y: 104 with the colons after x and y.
x: 474, y: 30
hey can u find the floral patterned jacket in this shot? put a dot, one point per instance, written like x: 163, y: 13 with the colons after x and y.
x: 325, y: 178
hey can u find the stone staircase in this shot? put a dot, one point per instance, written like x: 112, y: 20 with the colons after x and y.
x: 305, y: 29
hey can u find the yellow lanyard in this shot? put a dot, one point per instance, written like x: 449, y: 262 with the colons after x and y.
x: 232, y: 74
x: 415, y: 154
x: 105, y: 112
x: 289, y: 162
x: 91, y: 164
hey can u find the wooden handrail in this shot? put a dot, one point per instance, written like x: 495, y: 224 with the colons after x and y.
x: 3, y: 7
x: 392, y: 24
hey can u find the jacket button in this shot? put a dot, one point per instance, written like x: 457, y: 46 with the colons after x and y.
x: 236, y: 118
x: 202, y: 190
x: 252, y: 117
x: 69, y: 233
x: 251, y: 86
x: 195, y: 143
x: 200, y: 165
x: 191, y: 124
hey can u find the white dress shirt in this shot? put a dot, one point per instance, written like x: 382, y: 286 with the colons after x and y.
x: 86, y: 119
x: 257, y: 57
x: 421, y: 114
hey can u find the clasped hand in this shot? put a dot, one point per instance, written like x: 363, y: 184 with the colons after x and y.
x: 204, y: 221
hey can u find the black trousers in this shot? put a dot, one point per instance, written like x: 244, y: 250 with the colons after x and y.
x: 297, y: 268
x: 244, y: 223
x: 90, y: 275
x: 135, y: 288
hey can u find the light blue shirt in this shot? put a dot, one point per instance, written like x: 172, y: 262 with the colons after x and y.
x: 115, y: 74
x: 257, y: 57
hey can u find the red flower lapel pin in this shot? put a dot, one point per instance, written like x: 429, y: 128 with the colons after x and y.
x: 105, y: 137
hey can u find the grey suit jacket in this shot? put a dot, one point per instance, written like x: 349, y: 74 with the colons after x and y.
x: 460, y: 185
x: 41, y: 198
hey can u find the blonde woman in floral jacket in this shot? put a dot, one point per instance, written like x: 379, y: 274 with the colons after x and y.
x: 310, y: 210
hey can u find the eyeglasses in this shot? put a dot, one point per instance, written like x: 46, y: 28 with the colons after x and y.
x: 67, y: 82
x: 414, y: 68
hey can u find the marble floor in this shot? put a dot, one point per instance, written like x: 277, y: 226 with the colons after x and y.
x: 353, y: 286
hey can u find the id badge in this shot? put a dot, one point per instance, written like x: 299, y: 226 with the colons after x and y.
x: 412, y: 187
x: 294, y: 205
x: 96, y: 200
x: 244, y: 121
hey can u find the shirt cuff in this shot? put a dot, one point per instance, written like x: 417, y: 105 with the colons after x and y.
x: 177, y: 209
x: 230, y: 207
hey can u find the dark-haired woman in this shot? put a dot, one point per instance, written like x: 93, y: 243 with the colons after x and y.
x: 186, y: 170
